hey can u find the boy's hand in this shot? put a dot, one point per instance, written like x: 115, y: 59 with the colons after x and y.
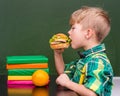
x: 62, y: 80
x: 58, y: 51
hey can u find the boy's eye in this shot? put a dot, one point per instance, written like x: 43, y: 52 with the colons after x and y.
x: 72, y: 27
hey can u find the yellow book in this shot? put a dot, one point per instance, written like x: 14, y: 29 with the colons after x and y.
x: 19, y: 77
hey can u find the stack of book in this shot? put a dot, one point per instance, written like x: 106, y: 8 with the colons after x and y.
x: 21, y: 68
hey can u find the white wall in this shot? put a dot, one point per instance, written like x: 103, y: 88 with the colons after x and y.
x: 116, y: 86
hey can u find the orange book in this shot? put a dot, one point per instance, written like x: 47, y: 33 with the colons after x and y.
x: 32, y: 65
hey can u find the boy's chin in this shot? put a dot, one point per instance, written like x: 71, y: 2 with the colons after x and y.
x: 74, y: 47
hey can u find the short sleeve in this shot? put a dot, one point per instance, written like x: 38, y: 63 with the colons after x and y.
x: 96, y: 76
x: 70, y: 69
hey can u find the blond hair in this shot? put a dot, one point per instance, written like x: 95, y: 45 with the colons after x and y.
x: 94, y: 18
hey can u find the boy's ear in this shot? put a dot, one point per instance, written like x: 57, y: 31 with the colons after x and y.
x: 89, y: 33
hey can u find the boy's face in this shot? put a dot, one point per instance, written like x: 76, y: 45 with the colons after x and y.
x: 77, y: 35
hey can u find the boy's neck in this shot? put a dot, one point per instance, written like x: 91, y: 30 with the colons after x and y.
x: 91, y: 45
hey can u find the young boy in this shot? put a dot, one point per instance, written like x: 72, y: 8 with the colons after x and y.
x: 92, y: 74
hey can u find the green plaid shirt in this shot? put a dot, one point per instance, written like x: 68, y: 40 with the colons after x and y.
x: 94, y: 71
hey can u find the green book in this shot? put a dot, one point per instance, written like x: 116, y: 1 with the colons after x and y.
x: 26, y: 59
x: 24, y: 72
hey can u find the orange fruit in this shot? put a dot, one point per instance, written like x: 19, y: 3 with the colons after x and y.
x: 40, y: 78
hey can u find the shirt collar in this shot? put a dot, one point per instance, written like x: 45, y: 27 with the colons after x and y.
x: 94, y: 50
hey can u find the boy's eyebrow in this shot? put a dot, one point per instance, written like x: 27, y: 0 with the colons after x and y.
x: 70, y: 25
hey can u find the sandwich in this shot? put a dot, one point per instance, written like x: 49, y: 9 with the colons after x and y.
x: 59, y: 41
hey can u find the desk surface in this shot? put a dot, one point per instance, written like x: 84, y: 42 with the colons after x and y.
x: 51, y: 90
x: 28, y: 90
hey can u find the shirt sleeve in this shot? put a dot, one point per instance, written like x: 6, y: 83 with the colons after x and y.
x: 70, y: 69
x: 97, y: 75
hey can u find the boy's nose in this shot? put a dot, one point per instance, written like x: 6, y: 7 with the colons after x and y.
x: 69, y: 32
